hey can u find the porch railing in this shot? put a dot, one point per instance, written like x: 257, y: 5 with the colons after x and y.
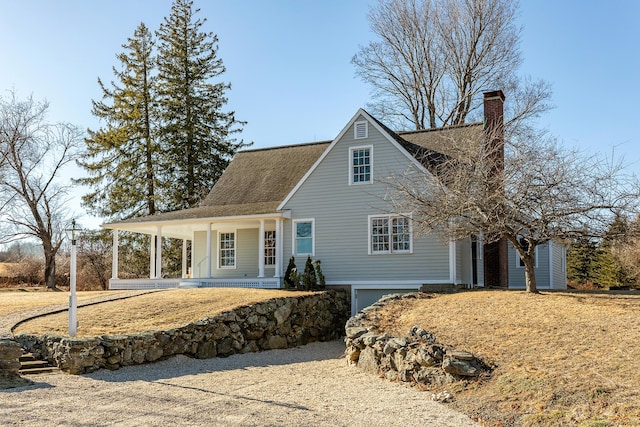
x: 265, y: 282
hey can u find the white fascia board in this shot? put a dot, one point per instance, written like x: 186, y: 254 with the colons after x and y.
x: 344, y: 130
x: 320, y: 159
x: 132, y: 226
x: 393, y: 142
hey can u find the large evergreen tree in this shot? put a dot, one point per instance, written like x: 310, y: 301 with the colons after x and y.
x: 581, y: 259
x: 196, y: 132
x: 123, y: 155
x: 607, y: 270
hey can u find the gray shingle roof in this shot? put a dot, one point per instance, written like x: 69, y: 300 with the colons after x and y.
x: 264, y: 175
x: 440, y: 140
x: 254, y: 183
x: 257, y: 181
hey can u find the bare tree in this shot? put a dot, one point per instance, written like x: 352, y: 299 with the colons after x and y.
x: 435, y: 57
x: 35, y: 153
x: 539, y: 191
x: 95, y: 250
x: 623, y: 241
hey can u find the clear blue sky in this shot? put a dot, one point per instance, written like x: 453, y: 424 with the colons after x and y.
x: 289, y: 62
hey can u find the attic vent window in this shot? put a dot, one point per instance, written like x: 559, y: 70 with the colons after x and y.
x: 361, y: 130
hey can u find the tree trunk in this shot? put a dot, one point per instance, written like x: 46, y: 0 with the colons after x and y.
x: 50, y: 271
x: 530, y: 272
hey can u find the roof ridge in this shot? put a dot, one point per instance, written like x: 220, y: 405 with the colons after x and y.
x: 278, y: 147
x: 464, y: 125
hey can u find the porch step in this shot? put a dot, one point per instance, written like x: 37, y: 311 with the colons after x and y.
x: 30, y: 365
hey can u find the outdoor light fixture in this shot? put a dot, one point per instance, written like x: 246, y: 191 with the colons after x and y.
x: 72, y: 234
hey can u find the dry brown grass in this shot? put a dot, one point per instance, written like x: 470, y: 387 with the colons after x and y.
x: 12, y: 299
x: 566, y: 358
x: 154, y: 311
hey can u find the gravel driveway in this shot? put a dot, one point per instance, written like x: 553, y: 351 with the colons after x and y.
x: 306, y: 386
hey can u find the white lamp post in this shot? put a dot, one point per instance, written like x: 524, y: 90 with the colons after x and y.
x: 73, y: 301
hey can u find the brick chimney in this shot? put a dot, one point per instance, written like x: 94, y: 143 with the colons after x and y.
x: 494, y: 125
x: 496, y: 261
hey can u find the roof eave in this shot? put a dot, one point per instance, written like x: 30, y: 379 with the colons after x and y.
x: 131, y: 225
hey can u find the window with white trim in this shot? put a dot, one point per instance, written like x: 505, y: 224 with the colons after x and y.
x: 227, y: 256
x: 361, y: 164
x: 389, y: 234
x: 303, y: 234
x: 361, y: 130
x: 520, y: 262
x: 269, y: 248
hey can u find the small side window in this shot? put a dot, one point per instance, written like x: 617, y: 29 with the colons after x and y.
x: 520, y: 263
x: 303, y: 233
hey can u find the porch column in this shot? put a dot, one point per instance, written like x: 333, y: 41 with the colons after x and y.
x: 261, y: 249
x: 152, y: 258
x: 114, y: 250
x: 279, y: 228
x: 184, y: 258
x: 193, y: 261
x: 159, y: 254
x: 208, y: 270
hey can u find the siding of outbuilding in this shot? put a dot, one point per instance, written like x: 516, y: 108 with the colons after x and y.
x: 463, y: 262
x: 559, y: 270
x: 516, y: 273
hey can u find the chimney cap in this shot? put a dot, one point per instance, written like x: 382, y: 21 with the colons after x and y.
x: 494, y: 94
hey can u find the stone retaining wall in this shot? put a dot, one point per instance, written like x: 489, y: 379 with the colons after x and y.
x: 416, y: 358
x: 10, y: 352
x: 273, y: 324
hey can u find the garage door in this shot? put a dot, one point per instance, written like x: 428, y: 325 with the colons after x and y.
x: 366, y: 297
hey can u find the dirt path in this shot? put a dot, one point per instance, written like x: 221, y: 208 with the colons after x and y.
x: 306, y: 386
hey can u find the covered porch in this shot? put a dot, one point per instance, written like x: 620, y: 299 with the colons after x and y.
x: 239, y: 251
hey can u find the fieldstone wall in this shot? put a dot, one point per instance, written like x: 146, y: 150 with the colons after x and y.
x: 416, y: 358
x: 10, y: 352
x: 273, y: 324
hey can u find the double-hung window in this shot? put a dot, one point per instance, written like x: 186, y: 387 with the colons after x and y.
x: 303, y: 234
x: 389, y: 234
x: 270, y: 248
x: 227, y: 254
x: 361, y: 163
